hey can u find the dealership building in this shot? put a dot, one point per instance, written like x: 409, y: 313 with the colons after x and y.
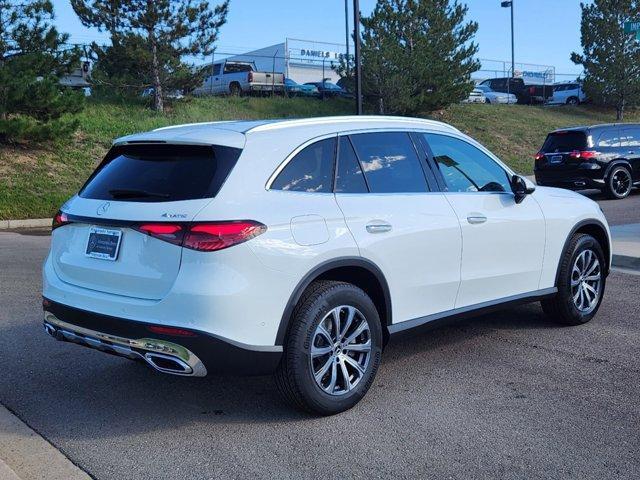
x: 300, y: 60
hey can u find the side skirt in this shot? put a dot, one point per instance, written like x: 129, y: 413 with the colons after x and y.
x: 471, y: 310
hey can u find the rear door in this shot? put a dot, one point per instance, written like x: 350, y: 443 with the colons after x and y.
x: 502, y: 241
x: 630, y: 146
x: 104, y: 249
x: 386, y: 192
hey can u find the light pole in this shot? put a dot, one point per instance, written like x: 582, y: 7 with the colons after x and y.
x: 356, y: 37
x: 509, y: 4
x: 346, y: 28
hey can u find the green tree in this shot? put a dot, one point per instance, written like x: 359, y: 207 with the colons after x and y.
x: 610, y: 57
x: 417, y: 55
x: 150, y: 38
x: 33, y: 56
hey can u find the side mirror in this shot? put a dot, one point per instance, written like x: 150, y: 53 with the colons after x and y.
x: 521, y: 187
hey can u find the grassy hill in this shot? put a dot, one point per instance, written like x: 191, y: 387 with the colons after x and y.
x: 36, y: 179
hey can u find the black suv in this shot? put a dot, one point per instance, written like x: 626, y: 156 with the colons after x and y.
x: 606, y: 157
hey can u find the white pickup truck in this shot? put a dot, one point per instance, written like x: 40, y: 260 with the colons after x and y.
x: 236, y: 78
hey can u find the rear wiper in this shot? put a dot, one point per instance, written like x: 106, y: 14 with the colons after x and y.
x: 132, y: 193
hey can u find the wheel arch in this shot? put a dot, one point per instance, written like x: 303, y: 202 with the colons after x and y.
x: 597, y: 230
x: 358, y: 271
x: 615, y: 163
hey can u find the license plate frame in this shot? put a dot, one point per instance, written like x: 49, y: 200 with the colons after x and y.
x: 103, y: 243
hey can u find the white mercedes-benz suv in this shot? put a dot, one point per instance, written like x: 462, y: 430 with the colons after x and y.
x: 299, y: 247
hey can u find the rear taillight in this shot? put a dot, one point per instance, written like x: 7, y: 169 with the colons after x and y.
x: 204, y: 237
x: 539, y: 156
x: 250, y: 77
x: 209, y: 237
x: 169, y: 232
x: 585, y: 155
x: 59, y: 220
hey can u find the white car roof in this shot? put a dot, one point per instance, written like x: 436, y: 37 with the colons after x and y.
x: 235, y: 133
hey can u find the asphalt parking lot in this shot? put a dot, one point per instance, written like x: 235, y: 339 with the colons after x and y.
x: 506, y: 395
x: 618, y: 212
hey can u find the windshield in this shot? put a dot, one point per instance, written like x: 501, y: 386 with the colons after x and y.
x: 161, y: 172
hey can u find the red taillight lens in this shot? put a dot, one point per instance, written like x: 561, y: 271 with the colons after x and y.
x: 587, y: 154
x: 169, y: 232
x: 209, y: 237
x: 250, y: 77
x: 59, y: 220
x: 539, y: 156
x: 205, y: 237
x: 176, y: 332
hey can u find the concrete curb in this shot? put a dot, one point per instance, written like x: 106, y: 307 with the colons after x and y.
x: 28, y: 223
x: 26, y: 455
x: 626, y: 262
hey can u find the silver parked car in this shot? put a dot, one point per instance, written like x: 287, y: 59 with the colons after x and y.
x: 567, y: 94
x: 492, y: 96
x: 476, y: 96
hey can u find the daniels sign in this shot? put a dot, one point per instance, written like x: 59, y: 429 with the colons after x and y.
x: 319, y: 54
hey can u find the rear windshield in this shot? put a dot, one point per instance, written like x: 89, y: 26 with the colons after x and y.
x: 565, y: 142
x: 161, y: 173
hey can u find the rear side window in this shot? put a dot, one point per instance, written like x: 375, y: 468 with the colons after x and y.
x: 389, y: 162
x: 609, y: 138
x: 161, y: 173
x: 630, y: 137
x: 564, y: 142
x: 311, y: 170
x: 349, y: 176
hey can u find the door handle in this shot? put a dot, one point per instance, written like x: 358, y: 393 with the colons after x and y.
x: 378, y: 227
x: 476, y: 219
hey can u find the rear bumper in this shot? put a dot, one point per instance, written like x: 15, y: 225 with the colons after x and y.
x: 195, y: 354
x: 570, y: 179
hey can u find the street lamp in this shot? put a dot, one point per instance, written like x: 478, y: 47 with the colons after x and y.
x: 509, y: 4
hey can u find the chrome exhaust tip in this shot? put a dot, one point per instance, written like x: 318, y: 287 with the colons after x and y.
x: 50, y: 329
x: 167, y: 364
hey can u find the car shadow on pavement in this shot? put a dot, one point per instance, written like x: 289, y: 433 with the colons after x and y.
x: 93, y: 394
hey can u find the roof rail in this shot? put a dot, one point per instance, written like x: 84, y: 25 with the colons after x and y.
x: 301, y: 122
x: 169, y: 127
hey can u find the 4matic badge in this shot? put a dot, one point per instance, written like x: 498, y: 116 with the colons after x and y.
x: 174, y: 215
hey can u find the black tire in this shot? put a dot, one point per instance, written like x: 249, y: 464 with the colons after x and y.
x: 562, y: 308
x: 295, y: 377
x: 235, y: 90
x: 573, y: 101
x: 486, y: 100
x: 619, y: 183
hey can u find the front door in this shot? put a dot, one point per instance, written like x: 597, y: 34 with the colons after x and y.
x: 502, y: 241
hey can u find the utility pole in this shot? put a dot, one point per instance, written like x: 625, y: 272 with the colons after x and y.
x: 356, y: 36
x: 346, y: 28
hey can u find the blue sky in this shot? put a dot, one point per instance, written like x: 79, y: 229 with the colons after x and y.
x: 547, y: 31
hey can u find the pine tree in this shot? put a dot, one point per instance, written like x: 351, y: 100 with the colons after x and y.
x: 33, y: 56
x: 149, y: 39
x: 417, y: 55
x: 611, y: 58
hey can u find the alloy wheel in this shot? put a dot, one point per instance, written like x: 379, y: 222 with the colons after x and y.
x: 621, y: 182
x: 586, y: 281
x: 340, y: 350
